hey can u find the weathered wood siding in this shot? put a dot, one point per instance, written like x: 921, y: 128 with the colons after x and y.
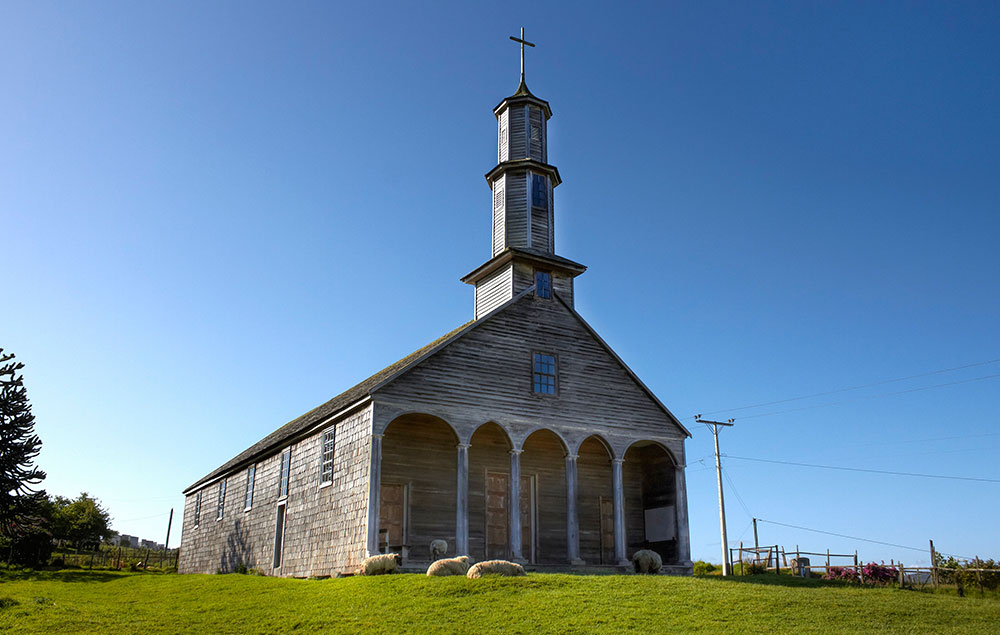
x: 503, y: 136
x: 493, y: 291
x: 421, y: 454
x: 516, y: 208
x: 536, y: 134
x: 540, y: 236
x: 489, y: 452
x: 563, y: 285
x: 325, y: 527
x: 499, y: 215
x: 486, y: 375
x: 518, y: 138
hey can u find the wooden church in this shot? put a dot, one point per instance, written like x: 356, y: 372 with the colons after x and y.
x: 518, y: 435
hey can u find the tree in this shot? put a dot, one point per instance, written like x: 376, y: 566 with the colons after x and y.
x: 81, y: 521
x: 19, y: 445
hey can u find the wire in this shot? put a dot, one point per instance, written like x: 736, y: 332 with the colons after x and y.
x: 738, y: 497
x: 850, y: 388
x: 877, y: 542
x: 860, y: 469
x: 884, y: 394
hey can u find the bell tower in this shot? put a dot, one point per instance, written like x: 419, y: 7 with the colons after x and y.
x: 523, y: 219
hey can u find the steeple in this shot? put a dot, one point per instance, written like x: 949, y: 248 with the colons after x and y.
x: 523, y: 228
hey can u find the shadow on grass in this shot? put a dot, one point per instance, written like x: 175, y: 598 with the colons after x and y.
x: 777, y: 580
x: 11, y: 575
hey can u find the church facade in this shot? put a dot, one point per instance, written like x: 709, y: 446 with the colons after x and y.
x: 519, y: 435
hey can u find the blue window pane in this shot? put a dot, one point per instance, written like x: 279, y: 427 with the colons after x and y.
x: 543, y: 284
x: 544, y: 375
x: 539, y: 191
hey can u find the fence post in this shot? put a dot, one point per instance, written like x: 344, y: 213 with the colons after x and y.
x: 902, y: 575
x: 145, y: 561
x: 828, y: 561
x: 934, y: 569
x: 979, y: 576
x: 856, y: 569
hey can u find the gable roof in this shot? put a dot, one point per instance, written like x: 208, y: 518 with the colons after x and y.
x: 361, y: 391
x: 345, y: 399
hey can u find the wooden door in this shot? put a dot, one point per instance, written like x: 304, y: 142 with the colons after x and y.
x: 527, y: 518
x: 497, y: 519
x: 392, y: 515
x: 607, y: 530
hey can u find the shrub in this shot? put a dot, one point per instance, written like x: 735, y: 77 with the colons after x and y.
x: 241, y: 569
x: 879, y: 573
x: 703, y: 568
x: 754, y: 568
x: 845, y: 574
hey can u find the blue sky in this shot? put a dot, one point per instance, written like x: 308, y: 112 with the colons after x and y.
x: 216, y: 216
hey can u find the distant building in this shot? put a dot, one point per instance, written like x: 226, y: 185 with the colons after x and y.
x: 150, y: 544
x: 125, y: 540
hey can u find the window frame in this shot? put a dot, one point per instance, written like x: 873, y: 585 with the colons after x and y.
x: 221, y: 504
x: 285, y: 473
x: 547, y: 294
x: 540, y: 195
x: 248, y: 492
x: 197, y: 509
x: 325, y: 459
x: 554, y: 374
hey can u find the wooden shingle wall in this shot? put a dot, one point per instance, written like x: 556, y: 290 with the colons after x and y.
x: 325, y: 527
x: 493, y: 291
x: 486, y: 376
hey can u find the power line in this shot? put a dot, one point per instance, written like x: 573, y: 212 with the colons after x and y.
x: 877, y: 542
x: 738, y: 497
x: 884, y: 394
x: 850, y: 388
x: 860, y: 469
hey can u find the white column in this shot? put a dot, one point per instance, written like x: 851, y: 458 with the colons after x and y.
x: 572, y: 522
x: 374, y: 492
x: 681, y: 505
x: 462, y: 504
x: 514, y: 525
x: 619, y: 502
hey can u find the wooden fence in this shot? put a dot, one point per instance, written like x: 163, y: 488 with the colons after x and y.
x: 109, y: 557
x: 774, y: 558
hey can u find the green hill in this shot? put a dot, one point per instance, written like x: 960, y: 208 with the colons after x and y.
x: 110, y: 602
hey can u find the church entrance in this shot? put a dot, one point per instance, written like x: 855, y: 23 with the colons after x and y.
x: 417, y: 500
x: 650, y: 501
x: 489, y: 493
x: 595, y: 502
x: 543, y: 466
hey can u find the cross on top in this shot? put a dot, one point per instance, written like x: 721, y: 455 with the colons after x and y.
x: 523, y: 42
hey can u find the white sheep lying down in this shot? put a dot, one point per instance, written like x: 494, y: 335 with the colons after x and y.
x: 381, y: 563
x: 646, y: 561
x: 449, y: 566
x: 495, y: 567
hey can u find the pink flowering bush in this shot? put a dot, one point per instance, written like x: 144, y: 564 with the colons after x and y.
x: 873, y: 574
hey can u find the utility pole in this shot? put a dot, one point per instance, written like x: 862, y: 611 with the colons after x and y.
x: 755, y: 545
x: 726, y: 569
x: 170, y: 521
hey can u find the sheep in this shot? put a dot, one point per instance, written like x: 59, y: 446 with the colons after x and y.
x: 438, y: 549
x: 381, y: 563
x: 646, y: 561
x: 495, y: 567
x: 449, y: 566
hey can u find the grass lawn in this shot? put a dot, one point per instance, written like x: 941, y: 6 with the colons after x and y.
x: 111, y: 602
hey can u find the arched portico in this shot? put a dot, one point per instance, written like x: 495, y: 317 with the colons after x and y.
x: 649, y: 483
x: 543, y: 498
x: 418, y: 485
x: 595, y: 501
x: 489, y: 492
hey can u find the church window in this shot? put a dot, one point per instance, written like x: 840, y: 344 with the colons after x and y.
x: 326, y: 465
x: 543, y: 284
x: 544, y: 375
x: 251, y: 473
x: 539, y: 191
x: 222, y: 499
x: 197, y: 509
x: 286, y: 465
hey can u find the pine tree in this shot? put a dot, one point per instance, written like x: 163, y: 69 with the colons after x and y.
x: 19, y: 445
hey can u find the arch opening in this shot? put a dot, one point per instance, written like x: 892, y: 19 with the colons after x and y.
x: 417, y: 501
x: 543, y: 498
x: 489, y: 493
x: 595, y: 502
x: 649, y: 482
